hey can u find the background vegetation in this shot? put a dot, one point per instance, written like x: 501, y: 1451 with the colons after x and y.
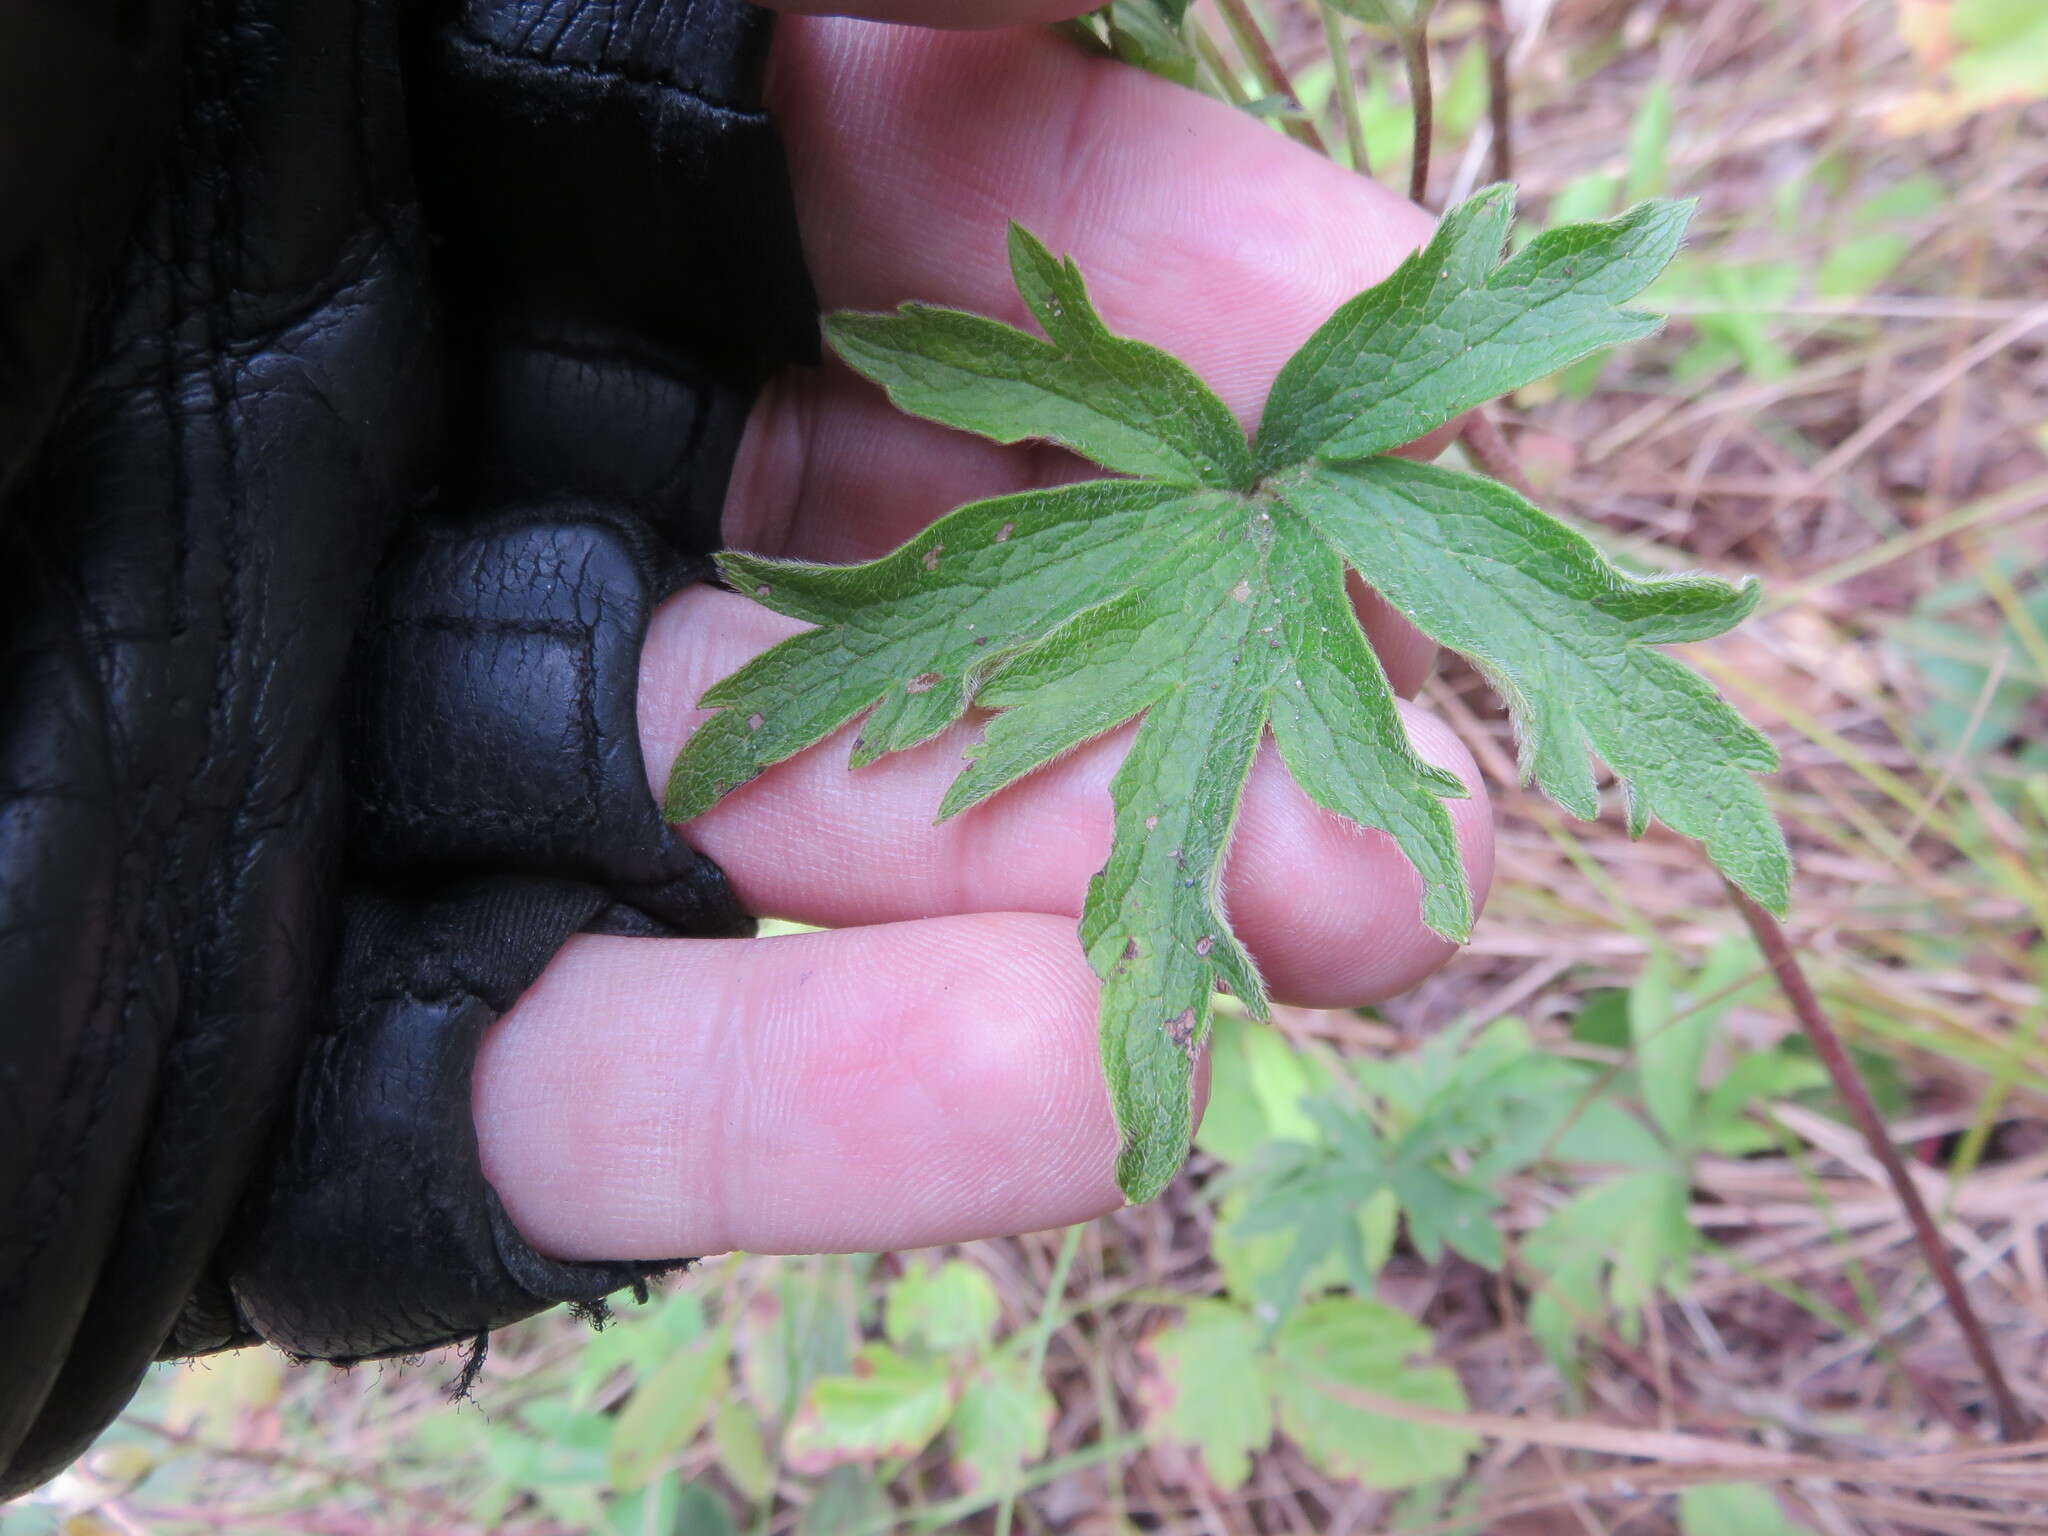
x: 1575, y: 1238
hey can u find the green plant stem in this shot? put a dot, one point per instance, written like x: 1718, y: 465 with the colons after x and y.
x: 1346, y: 88
x: 1218, y: 67
x: 2014, y: 1422
x: 1422, y: 95
x: 1258, y: 53
x: 1040, y: 1338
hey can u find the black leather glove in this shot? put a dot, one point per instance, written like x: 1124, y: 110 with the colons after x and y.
x: 368, y: 372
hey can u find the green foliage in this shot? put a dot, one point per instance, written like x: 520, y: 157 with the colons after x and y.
x: 666, y: 1412
x: 1204, y: 1392
x: 1345, y: 1344
x: 1734, y: 1509
x: 888, y: 1406
x: 951, y: 1307
x: 1429, y: 1136
x: 1979, y: 679
x: 1207, y: 595
x: 1222, y: 1383
x: 1000, y: 1425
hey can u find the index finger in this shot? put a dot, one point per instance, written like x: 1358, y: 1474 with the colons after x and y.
x: 1198, y: 228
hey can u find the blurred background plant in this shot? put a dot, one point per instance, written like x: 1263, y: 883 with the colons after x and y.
x: 1575, y: 1238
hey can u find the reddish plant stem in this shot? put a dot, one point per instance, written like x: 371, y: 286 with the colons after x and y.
x: 1499, y: 99
x: 1484, y: 440
x: 2014, y: 1422
x: 1258, y: 53
x: 1422, y: 93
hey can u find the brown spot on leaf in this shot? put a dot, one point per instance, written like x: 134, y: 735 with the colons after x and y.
x: 931, y: 557
x: 755, y: 722
x: 1151, y: 823
x: 1003, y: 532
x: 924, y: 682
x: 1180, y: 1029
x: 762, y: 590
x: 1242, y: 592
x: 1130, y: 949
x: 1205, y: 943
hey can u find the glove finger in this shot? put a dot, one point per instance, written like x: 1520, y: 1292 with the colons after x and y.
x: 870, y: 1089
x: 1332, y: 914
x: 969, y: 15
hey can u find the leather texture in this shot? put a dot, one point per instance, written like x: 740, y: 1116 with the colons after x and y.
x: 369, y: 371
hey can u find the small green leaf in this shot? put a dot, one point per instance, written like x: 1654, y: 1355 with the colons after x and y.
x: 1630, y: 1232
x: 887, y: 1407
x: 1735, y: 1509
x: 742, y: 1450
x: 950, y: 1307
x: 1649, y: 142
x: 700, y: 1512
x: 1148, y: 33
x: 1126, y: 405
x: 1205, y: 1389
x: 847, y: 1499
x: 1000, y: 1426
x: 666, y: 1411
x: 1344, y: 1343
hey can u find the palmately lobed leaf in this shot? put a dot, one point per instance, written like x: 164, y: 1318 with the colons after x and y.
x: 1206, y: 599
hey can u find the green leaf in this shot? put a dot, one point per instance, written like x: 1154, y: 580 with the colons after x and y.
x: 1451, y: 329
x: 1344, y: 1344
x: 700, y: 1512
x: 1630, y: 1233
x: 1649, y: 142
x: 742, y: 1450
x: 1735, y: 1509
x: 1000, y: 1426
x: 950, y: 1307
x: 651, y: 1511
x: 1205, y: 1389
x: 666, y: 1411
x: 848, y: 1499
x: 1128, y: 406
x: 1212, y: 604
x: 887, y: 1407
x: 1148, y: 33
x: 1569, y: 641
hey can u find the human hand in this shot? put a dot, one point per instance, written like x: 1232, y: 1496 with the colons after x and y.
x: 927, y: 1071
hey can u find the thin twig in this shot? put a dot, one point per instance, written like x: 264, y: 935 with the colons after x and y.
x: 2014, y: 1422
x: 1499, y: 99
x: 1483, y: 439
x: 1258, y: 53
x: 1218, y: 67
x: 1415, y: 54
